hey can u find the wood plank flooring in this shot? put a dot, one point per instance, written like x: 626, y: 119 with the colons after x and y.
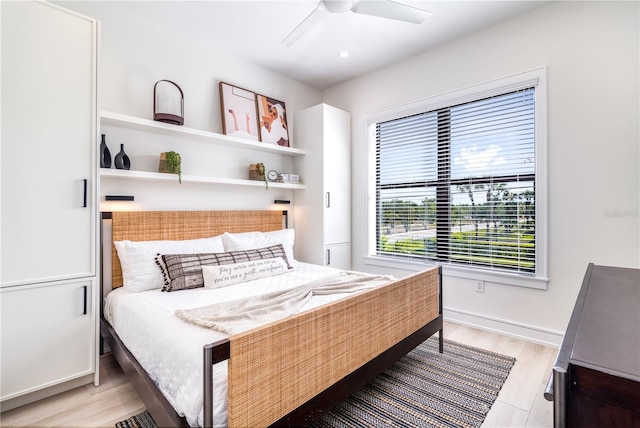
x: 519, y: 404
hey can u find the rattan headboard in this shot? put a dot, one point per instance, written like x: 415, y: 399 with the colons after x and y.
x: 178, y: 225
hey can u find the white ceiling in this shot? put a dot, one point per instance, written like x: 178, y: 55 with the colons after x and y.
x: 253, y: 30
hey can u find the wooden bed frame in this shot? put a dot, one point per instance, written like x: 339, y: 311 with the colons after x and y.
x: 271, y: 382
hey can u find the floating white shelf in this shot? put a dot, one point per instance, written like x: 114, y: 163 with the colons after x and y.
x: 124, y: 121
x: 158, y: 176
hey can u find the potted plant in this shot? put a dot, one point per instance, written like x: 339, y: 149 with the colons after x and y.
x: 171, y: 163
x: 257, y: 172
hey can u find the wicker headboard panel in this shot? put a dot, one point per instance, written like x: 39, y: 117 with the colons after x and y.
x: 178, y: 225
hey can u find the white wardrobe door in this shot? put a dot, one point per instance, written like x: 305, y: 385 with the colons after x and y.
x: 47, y: 335
x: 338, y: 256
x: 337, y: 176
x: 48, y: 141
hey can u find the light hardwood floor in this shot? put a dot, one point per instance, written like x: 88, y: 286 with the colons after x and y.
x: 519, y: 404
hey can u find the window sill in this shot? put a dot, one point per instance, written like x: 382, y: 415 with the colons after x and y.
x: 505, y: 278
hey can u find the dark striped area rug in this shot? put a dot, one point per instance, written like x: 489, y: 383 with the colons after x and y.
x: 428, y: 389
x: 143, y: 420
x: 423, y: 389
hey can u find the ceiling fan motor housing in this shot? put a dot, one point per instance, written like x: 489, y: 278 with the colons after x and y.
x: 381, y: 8
x: 338, y: 6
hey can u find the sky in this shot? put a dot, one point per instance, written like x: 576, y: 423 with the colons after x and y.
x: 490, y: 137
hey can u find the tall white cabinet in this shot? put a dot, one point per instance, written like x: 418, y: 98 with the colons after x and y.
x: 48, y: 223
x: 322, y: 213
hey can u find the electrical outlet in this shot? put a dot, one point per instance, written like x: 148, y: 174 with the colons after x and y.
x: 480, y: 286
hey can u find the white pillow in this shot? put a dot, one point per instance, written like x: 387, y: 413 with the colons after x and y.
x: 216, y: 276
x: 253, y: 240
x: 138, y: 259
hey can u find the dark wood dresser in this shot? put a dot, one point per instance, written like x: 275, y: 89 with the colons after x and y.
x: 596, y: 378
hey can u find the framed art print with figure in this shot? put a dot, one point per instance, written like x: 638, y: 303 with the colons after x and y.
x: 272, y: 116
x: 239, y: 116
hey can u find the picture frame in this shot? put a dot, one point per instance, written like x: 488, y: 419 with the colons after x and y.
x: 238, y: 110
x: 272, y: 120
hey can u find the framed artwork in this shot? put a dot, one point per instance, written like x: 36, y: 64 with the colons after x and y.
x: 239, y: 116
x: 272, y: 117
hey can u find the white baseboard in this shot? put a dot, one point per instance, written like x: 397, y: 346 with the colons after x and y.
x: 504, y: 327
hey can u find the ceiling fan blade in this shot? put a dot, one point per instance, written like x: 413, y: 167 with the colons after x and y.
x: 305, y: 26
x: 392, y: 10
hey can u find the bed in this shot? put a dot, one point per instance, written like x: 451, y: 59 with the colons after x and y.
x: 284, y: 373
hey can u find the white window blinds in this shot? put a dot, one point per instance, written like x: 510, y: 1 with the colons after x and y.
x: 457, y: 184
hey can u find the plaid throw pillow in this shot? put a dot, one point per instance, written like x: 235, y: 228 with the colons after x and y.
x: 184, y: 271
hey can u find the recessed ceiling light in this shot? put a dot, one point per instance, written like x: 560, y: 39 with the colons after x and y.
x: 344, y: 54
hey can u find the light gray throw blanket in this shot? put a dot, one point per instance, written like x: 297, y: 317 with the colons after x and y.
x: 243, y: 314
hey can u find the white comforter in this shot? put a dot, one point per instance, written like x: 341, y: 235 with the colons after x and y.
x: 170, y: 350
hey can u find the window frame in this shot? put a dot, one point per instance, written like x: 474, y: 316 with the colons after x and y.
x: 533, y: 78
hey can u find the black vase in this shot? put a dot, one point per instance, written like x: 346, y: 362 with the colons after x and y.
x: 122, y: 160
x: 105, y: 154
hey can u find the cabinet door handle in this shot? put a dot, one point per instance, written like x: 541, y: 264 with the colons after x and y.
x: 84, y: 204
x: 84, y: 311
x: 328, y: 256
x: 328, y: 199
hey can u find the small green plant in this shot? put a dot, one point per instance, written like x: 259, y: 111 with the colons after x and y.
x: 173, y: 164
x: 263, y: 172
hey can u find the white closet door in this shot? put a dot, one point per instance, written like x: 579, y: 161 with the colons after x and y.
x: 338, y: 256
x: 337, y: 177
x: 48, y: 143
x: 47, y: 335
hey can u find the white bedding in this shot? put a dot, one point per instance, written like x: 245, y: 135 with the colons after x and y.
x: 170, y: 350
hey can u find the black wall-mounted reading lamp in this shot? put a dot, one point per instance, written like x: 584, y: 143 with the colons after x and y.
x: 285, y: 213
x: 125, y: 198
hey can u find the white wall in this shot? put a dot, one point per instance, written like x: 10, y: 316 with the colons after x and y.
x: 134, y: 55
x: 591, y: 52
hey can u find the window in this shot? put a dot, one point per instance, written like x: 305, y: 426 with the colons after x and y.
x: 457, y: 184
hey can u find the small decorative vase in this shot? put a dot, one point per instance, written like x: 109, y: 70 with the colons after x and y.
x: 122, y: 160
x: 105, y: 154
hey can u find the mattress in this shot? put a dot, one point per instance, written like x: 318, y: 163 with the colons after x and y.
x: 170, y: 350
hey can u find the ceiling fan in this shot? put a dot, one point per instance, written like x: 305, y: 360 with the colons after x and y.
x: 382, y: 8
